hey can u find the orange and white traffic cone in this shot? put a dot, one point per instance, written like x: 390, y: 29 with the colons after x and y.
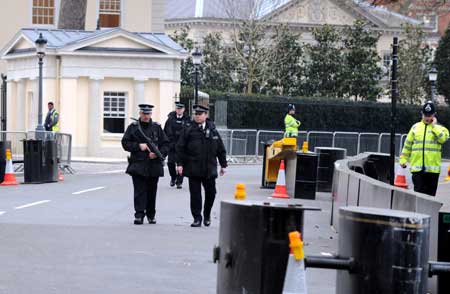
x: 448, y: 174
x: 60, y: 175
x: 280, y: 188
x: 400, y: 179
x: 10, y: 177
x: 295, y: 278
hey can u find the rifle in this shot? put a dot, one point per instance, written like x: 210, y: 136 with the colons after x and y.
x: 150, y: 143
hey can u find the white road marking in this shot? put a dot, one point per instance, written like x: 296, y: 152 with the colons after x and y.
x: 2, y: 212
x: 32, y: 204
x: 88, y: 190
x: 117, y: 171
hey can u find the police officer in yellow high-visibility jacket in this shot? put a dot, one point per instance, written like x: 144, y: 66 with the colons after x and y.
x: 52, y: 119
x: 423, y: 148
x: 291, y: 124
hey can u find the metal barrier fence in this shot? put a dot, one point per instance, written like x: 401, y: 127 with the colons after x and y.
x: 63, y: 143
x: 248, y: 145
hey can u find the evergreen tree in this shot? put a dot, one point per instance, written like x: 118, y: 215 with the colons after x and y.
x: 285, y: 63
x: 442, y: 61
x: 324, y: 63
x: 413, y: 66
x: 361, y: 73
x: 187, y: 66
x: 218, y: 65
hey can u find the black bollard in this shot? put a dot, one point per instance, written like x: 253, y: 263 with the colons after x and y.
x: 254, y: 245
x: 390, y: 251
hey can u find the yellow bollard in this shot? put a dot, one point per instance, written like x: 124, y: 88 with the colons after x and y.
x: 305, y: 147
x: 296, y: 245
x: 240, y: 192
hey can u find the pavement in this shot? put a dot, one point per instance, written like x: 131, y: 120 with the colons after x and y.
x: 77, y: 236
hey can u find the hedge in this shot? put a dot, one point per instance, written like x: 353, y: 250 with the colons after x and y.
x: 319, y: 114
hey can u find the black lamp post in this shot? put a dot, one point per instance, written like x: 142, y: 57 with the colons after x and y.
x: 197, y: 60
x: 394, y: 97
x: 41, y: 46
x: 432, y: 76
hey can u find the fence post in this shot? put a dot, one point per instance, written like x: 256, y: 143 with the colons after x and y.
x: 231, y: 143
x: 333, y: 141
x: 257, y: 144
x: 358, y: 146
x: 379, y: 142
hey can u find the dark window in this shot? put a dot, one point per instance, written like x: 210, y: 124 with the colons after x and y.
x: 114, y: 112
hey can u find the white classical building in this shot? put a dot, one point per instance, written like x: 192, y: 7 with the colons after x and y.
x: 96, y: 80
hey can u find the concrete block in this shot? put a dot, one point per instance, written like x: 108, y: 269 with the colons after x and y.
x: 353, y: 191
x: 340, y: 194
x: 403, y: 200
x: 372, y: 195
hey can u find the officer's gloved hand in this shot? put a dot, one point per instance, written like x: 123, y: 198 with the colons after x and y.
x: 403, y: 165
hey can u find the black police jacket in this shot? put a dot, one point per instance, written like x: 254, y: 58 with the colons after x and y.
x: 198, y: 151
x: 139, y: 162
x: 173, y: 128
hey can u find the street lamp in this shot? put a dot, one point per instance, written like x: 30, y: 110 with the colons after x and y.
x: 432, y: 76
x: 41, y: 46
x: 197, y: 60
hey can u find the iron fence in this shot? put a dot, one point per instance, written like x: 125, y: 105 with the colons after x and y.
x: 63, y: 145
x: 248, y: 145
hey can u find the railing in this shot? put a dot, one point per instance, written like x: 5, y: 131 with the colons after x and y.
x: 247, y: 145
x: 63, y: 145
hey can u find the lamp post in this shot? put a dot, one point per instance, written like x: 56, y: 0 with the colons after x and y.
x: 41, y: 46
x: 394, y: 97
x: 432, y: 76
x: 197, y: 60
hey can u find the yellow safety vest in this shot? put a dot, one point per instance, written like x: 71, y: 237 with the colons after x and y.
x: 423, y: 147
x: 55, y: 128
x: 291, y: 125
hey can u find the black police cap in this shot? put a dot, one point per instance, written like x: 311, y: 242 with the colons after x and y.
x: 291, y: 107
x: 146, y: 108
x: 200, y: 108
x: 429, y: 108
x: 179, y: 105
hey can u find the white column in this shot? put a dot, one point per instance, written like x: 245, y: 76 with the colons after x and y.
x: 20, y: 106
x: 139, y: 94
x: 95, y: 115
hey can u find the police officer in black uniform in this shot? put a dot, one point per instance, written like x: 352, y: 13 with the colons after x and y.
x: 198, y: 149
x: 175, y: 123
x: 145, y: 164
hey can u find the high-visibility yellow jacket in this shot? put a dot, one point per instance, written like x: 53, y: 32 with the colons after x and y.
x: 423, y: 147
x: 291, y: 125
x: 55, y: 117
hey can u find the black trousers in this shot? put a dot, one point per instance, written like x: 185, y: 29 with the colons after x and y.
x: 195, y: 189
x: 425, y: 182
x: 173, y: 173
x: 145, y: 189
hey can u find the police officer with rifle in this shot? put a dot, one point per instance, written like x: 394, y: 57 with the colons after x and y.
x: 148, y: 146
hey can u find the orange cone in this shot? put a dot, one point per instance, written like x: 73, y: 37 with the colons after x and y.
x: 10, y: 178
x: 60, y: 176
x: 448, y: 174
x: 280, y: 188
x: 400, y: 179
x: 295, y: 278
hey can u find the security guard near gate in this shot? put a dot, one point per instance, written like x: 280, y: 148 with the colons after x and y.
x: 148, y: 145
x: 291, y: 124
x: 198, y: 149
x: 174, y: 125
x: 52, y: 119
x: 423, y: 149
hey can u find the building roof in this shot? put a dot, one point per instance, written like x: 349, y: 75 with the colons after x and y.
x: 192, y: 9
x: 61, y: 38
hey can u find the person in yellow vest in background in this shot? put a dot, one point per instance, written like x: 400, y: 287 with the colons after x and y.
x: 291, y: 124
x: 52, y: 119
x: 423, y: 150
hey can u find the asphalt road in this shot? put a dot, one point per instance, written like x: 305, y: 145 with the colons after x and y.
x: 77, y: 236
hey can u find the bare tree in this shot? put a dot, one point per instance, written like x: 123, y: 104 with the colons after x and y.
x: 72, y: 15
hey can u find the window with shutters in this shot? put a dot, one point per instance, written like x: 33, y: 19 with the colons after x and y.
x: 109, y: 13
x: 114, y: 112
x: 43, y: 12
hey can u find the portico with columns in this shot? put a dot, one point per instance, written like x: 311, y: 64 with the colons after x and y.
x: 96, y: 80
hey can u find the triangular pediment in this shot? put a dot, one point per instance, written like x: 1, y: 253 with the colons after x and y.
x: 20, y: 44
x: 319, y: 12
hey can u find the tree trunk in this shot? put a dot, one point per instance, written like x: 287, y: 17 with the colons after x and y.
x: 72, y: 15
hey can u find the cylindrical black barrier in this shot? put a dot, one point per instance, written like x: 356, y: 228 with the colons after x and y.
x: 40, y: 164
x: 3, y: 146
x: 327, y: 157
x: 390, y: 249
x: 444, y: 250
x: 254, y: 245
x: 306, y: 175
